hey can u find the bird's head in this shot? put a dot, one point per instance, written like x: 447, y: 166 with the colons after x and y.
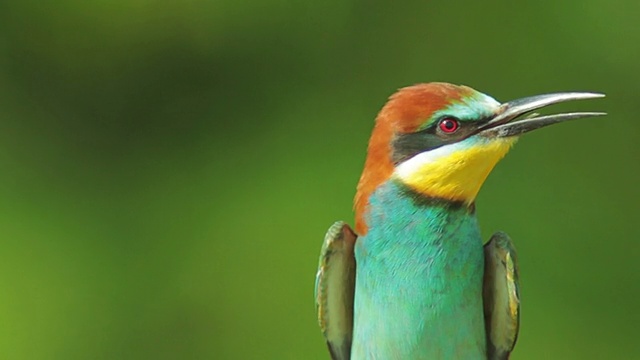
x: 443, y: 140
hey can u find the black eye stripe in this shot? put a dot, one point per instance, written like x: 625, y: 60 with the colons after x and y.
x: 406, y: 146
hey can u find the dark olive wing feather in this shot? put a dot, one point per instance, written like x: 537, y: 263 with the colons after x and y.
x: 501, y: 296
x: 335, y: 283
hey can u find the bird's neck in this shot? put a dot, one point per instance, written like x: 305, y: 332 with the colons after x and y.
x: 397, y: 207
x: 410, y: 226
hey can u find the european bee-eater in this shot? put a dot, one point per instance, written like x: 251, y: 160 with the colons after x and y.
x: 414, y: 280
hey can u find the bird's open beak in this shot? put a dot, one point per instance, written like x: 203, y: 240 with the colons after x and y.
x: 503, y: 124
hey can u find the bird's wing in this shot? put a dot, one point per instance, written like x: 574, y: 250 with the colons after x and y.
x: 335, y: 284
x: 501, y: 296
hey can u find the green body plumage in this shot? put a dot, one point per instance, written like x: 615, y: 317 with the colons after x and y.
x: 419, y: 280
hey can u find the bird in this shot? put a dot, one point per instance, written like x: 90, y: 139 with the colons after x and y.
x: 413, y: 280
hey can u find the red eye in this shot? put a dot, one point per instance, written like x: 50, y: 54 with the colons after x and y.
x: 449, y: 125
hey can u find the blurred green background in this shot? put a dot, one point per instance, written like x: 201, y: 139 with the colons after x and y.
x: 168, y: 169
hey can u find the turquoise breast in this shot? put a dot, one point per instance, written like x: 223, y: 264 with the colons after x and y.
x: 419, y: 280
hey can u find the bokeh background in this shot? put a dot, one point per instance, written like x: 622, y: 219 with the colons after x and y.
x: 168, y: 168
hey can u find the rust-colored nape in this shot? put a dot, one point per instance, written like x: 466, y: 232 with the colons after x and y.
x: 405, y: 112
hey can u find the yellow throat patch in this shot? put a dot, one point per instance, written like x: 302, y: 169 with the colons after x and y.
x: 455, y: 171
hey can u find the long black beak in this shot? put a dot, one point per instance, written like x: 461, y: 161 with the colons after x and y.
x: 503, y: 124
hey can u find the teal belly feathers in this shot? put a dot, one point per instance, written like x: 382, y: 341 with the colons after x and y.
x: 419, y: 280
